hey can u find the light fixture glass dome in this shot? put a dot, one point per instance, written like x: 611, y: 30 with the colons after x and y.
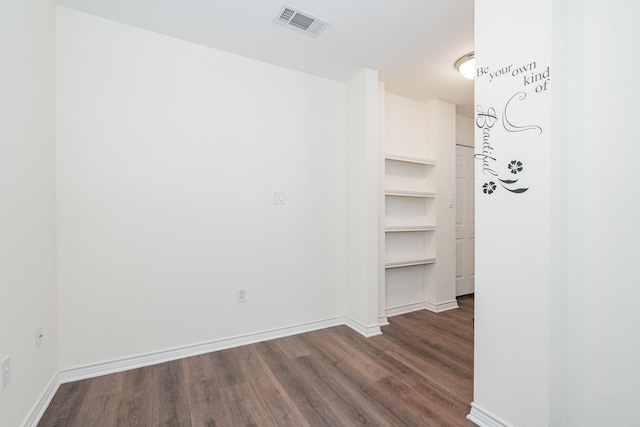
x: 467, y: 66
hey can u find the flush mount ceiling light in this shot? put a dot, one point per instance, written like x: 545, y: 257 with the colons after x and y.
x: 467, y: 66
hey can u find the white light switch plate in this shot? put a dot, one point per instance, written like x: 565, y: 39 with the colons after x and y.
x: 278, y: 197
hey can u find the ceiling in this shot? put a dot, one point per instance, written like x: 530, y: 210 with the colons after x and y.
x: 412, y: 43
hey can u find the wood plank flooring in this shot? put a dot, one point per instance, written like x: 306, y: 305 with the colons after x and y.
x: 418, y: 373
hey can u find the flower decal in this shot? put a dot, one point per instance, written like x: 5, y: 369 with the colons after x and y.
x: 511, y: 185
x: 488, y: 187
x: 515, y: 166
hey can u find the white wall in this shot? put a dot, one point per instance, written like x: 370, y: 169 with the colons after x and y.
x: 513, y: 239
x: 583, y: 317
x: 464, y: 131
x: 27, y: 202
x: 407, y: 129
x: 604, y: 350
x: 558, y: 289
x: 168, y: 155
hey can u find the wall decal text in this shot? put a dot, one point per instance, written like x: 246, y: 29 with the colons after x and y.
x: 525, y: 79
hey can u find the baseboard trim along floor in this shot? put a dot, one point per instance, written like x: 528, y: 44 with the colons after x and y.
x: 484, y: 418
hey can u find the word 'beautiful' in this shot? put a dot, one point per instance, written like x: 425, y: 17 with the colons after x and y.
x: 485, y: 121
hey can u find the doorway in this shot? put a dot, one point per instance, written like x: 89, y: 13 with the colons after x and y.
x: 465, y: 221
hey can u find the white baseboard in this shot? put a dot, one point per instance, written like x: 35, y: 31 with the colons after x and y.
x: 423, y: 305
x: 133, y: 362
x: 404, y: 309
x: 441, y: 306
x: 383, y: 321
x: 38, y: 408
x: 366, y: 331
x: 484, y: 418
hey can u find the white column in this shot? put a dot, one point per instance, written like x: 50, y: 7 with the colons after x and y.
x: 441, y: 125
x: 514, y: 194
x: 362, y: 204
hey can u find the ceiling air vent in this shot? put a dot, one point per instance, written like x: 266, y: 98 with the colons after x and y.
x: 300, y: 21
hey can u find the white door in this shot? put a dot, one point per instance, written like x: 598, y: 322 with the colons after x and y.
x: 465, y: 221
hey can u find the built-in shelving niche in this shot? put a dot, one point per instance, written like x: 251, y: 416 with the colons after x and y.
x: 410, y: 227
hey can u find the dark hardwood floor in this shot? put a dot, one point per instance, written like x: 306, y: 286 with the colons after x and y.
x: 418, y: 373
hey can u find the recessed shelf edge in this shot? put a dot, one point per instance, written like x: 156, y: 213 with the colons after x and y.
x: 405, y: 228
x: 409, y: 262
x: 409, y: 159
x: 402, y: 193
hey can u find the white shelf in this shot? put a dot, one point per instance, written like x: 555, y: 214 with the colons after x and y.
x: 411, y: 190
x: 409, y: 159
x: 402, y: 193
x: 409, y: 262
x: 407, y: 228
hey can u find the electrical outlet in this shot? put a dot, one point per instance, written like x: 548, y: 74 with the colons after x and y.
x: 6, y: 372
x: 39, y: 336
x: 242, y: 295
